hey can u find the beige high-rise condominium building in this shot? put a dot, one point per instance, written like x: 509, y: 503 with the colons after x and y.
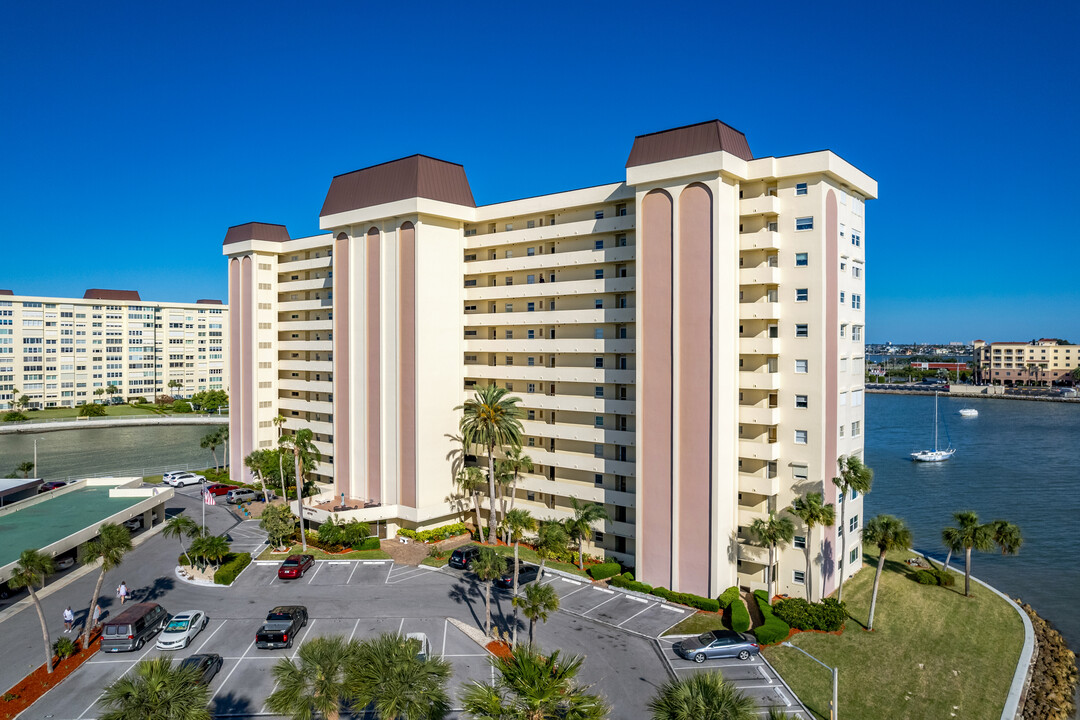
x: 59, y: 352
x: 687, y: 345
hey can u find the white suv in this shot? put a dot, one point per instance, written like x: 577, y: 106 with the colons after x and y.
x: 183, y: 479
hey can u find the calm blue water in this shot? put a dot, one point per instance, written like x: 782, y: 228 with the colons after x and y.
x: 1018, y: 461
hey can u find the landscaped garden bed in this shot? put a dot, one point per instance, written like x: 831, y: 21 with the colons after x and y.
x: 26, y: 692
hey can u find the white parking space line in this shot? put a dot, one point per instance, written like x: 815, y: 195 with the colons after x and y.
x: 355, y: 565
x: 211, y: 636
x: 310, y: 625
x: 635, y: 599
x: 98, y: 698
x: 567, y: 580
x: 672, y: 609
x: 761, y: 669
x: 609, y: 592
x: 605, y: 602
x: 388, y: 573
x: 573, y: 591
x: 238, y: 663
x: 354, y: 628
x: 634, y: 615
x: 445, y: 625
x: 401, y: 625
x: 318, y: 567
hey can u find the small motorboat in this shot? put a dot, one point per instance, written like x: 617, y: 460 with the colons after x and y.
x: 969, y: 412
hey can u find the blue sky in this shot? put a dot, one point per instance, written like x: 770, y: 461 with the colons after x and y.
x: 133, y: 134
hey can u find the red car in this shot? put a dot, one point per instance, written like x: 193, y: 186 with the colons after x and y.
x: 219, y: 489
x: 295, y: 566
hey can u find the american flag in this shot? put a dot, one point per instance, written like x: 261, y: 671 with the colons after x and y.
x: 208, y: 498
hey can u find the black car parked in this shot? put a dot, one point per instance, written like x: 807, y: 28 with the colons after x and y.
x: 463, y: 557
x: 526, y: 574
x: 207, y: 664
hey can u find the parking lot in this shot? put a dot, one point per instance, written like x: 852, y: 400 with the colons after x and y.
x: 245, y: 680
x: 630, y: 612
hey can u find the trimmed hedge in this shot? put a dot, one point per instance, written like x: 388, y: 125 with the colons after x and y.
x: 925, y: 577
x: 740, y: 616
x: 773, y: 630
x: 626, y: 582
x: 728, y: 596
x: 231, y: 568
x: 605, y: 570
x: 695, y: 601
x: 434, y: 534
x: 934, y: 576
x: 828, y: 615
x: 371, y: 543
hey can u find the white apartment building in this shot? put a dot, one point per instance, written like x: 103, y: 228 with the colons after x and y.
x: 59, y: 351
x: 687, y: 344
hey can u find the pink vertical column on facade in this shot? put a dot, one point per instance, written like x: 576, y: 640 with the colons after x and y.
x: 654, y: 347
x: 342, y: 367
x: 832, y: 332
x: 373, y: 411
x: 237, y: 450
x: 248, y: 308
x: 407, y: 363
x: 694, y: 392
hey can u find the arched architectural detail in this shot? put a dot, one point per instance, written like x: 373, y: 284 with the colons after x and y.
x: 237, y: 369
x: 248, y: 319
x: 372, y: 362
x: 407, y: 363
x: 342, y: 365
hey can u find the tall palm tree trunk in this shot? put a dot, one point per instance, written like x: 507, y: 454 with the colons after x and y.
x: 772, y: 572
x: 487, y: 608
x: 479, y: 522
x: 947, y: 559
x: 281, y: 473
x: 300, y: 499
x: 513, y: 640
x: 44, y: 628
x: 532, y: 630
x: 809, y: 589
x: 93, y: 601
x: 967, y: 571
x: 580, y: 554
x: 843, y: 546
x: 491, y: 496
x: 540, y: 573
x: 873, y: 598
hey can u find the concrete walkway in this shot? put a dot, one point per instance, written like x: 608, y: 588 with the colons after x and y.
x: 43, y: 426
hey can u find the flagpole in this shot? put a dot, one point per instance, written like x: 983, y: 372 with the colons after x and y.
x: 202, y: 494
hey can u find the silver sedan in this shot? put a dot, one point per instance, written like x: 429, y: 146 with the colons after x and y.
x: 181, y: 629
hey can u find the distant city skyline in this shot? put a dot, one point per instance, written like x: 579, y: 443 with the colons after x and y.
x: 129, y: 157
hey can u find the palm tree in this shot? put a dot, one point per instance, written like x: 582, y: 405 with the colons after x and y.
x: 950, y: 536
x: 279, y: 421
x: 552, y: 538
x: 536, y: 603
x: 812, y: 510
x: 517, y: 464
x: 391, y: 678
x: 110, y: 547
x: 491, y: 419
x: 702, y: 695
x: 772, y: 533
x: 488, y: 566
x: 111, y: 390
x: 579, y: 527
x: 157, y: 691
x: 213, y: 549
x: 26, y: 467
x: 30, y: 570
x: 211, y: 441
x: 970, y: 535
x: 853, y: 476
x: 305, y: 456
x: 316, y: 681
x: 1007, y: 536
x: 518, y: 522
x: 530, y: 686
x: 888, y: 533
x: 471, y: 480
x: 180, y: 527
x: 504, y: 479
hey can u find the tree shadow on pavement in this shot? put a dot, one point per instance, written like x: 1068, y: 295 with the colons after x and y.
x: 464, y: 593
x: 233, y: 705
x: 154, y: 592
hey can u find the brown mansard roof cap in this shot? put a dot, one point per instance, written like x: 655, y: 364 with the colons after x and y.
x: 410, y: 177
x: 688, y: 141
x: 98, y: 294
x: 256, y: 231
x: 7, y: 292
x: 209, y: 302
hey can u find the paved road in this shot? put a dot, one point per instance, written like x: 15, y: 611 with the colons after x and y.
x: 617, y: 633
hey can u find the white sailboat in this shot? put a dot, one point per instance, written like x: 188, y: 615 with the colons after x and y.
x: 934, y: 455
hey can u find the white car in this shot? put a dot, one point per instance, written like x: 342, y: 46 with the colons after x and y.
x: 184, y: 479
x: 134, y: 523
x: 424, y: 650
x: 181, y: 629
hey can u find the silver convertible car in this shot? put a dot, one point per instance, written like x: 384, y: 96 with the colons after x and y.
x: 717, y: 644
x: 181, y: 629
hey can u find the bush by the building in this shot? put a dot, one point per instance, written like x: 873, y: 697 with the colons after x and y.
x: 773, y: 629
x: 740, y: 616
x: 828, y: 615
x: 371, y: 543
x: 626, y: 582
x: 232, y: 567
x: 604, y: 571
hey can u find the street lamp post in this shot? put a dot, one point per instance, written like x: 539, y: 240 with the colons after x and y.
x: 833, y: 714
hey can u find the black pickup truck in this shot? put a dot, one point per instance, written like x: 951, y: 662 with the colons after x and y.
x: 282, y: 624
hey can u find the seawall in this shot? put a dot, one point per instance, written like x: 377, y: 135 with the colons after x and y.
x: 127, y: 421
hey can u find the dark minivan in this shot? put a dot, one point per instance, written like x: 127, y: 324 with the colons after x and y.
x: 133, y: 627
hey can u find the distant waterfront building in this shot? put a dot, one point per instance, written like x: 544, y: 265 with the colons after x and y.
x: 59, y: 351
x: 1042, y: 362
x: 687, y: 344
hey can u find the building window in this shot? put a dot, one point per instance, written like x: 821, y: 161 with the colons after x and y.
x: 798, y: 577
x: 800, y: 188
x: 854, y: 554
x: 531, y: 307
x: 802, y: 331
x: 842, y: 296
x: 598, y: 303
x: 598, y: 391
x: 856, y: 238
x: 598, y: 421
x: 800, y: 437
x: 598, y: 362
x: 599, y: 273
x: 856, y: 332
x: 802, y: 366
x: 853, y: 523
x: 598, y: 333
x: 801, y: 401
x: 598, y: 450
x: 856, y: 271
x: 529, y: 279
x: 856, y: 428
x: 598, y: 215
x: 598, y: 479
x: 598, y: 245
x: 800, y: 473
x: 856, y: 301
x: 802, y: 259
x: 804, y: 223
x: 799, y: 542
x: 802, y: 294
x: 843, y: 329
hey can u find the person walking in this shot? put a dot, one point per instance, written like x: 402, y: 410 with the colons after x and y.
x: 97, y: 616
x: 69, y: 619
x: 122, y: 592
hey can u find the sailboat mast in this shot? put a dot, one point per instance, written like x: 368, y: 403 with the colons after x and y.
x: 935, y: 422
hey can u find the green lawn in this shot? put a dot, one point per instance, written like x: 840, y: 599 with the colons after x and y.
x: 110, y: 411
x: 268, y: 554
x: 698, y: 623
x: 436, y: 562
x: 933, y: 653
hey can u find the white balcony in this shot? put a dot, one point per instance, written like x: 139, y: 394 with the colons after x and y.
x: 761, y: 205
x: 305, y: 345
x: 580, y: 433
x: 564, y: 345
x: 580, y: 461
x: 550, y: 289
x: 319, y: 386
x: 320, y: 427
x: 304, y: 285
x: 324, y: 407
x: 759, y: 380
x: 753, y: 553
x: 759, y: 483
x: 760, y: 240
x: 301, y: 305
x: 305, y: 325
x: 759, y: 450
x: 551, y: 317
x: 309, y: 264
x: 524, y: 263
x: 759, y: 311
x: 306, y: 365
x: 762, y: 345
x: 546, y: 374
x: 619, y: 223
x: 759, y: 275
x: 575, y: 403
